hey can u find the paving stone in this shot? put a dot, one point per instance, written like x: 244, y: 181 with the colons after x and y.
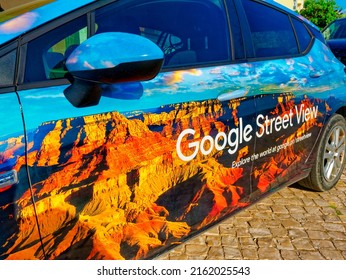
x: 279, y: 231
x: 321, y: 202
x: 287, y: 201
x: 212, y: 240
x: 289, y: 255
x: 250, y: 254
x: 312, y: 210
x: 265, y: 242
x: 243, y: 220
x: 279, y: 209
x: 309, y: 202
x: 310, y: 255
x: 328, y: 210
x: 297, y: 233
x: 229, y: 241
x: 262, y: 215
x: 333, y: 218
x: 301, y: 218
x: 317, y: 234
x: 284, y: 243
x: 213, y: 231
x: 302, y: 244
x: 340, y: 244
x: 295, y: 209
x: 215, y: 253
x: 199, y: 240
x: 337, y: 235
x: 243, y: 232
x: 290, y: 223
x: 176, y: 256
x: 334, y: 227
x: 232, y: 253
x: 256, y: 223
x: 247, y: 241
x: 312, y: 195
x: 315, y: 218
x: 311, y: 225
x: 227, y: 229
x: 331, y: 254
x: 272, y: 223
x: 323, y: 244
x: 269, y: 253
x: 260, y: 232
x: 194, y: 249
x: 264, y: 207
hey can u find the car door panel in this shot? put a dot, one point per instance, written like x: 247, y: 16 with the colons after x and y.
x: 290, y: 115
x: 15, y: 195
x: 118, y: 172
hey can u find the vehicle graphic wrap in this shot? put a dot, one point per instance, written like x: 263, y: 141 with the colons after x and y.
x: 165, y: 162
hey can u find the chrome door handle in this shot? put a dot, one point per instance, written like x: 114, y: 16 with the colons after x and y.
x: 232, y: 95
x: 316, y: 74
x: 8, y: 178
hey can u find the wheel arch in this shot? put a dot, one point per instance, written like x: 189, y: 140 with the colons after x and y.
x: 341, y: 111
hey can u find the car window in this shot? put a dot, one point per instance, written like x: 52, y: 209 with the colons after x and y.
x: 336, y: 30
x: 304, y: 37
x: 271, y: 30
x: 7, y: 69
x: 189, y: 32
x: 46, y: 55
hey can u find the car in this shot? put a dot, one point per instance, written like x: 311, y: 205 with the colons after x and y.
x: 129, y: 126
x: 335, y: 34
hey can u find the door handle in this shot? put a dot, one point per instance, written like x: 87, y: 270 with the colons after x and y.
x: 8, y: 179
x: 232, y: 95
x: 316, y: 73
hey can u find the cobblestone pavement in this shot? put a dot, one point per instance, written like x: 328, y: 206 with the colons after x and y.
x: 291, y: 224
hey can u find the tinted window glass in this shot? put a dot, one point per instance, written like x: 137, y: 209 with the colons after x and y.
x: 188, y: 32
x: 7, y: 68
x: 303, y: 35
x: 271, y: 31
x: 336, y: 30
x: 47, y: 54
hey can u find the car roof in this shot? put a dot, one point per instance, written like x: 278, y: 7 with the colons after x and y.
x: 16, y: 21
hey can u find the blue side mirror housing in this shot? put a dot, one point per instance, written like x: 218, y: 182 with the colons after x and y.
x: 109, y: 58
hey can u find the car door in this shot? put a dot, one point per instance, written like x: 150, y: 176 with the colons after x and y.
x: 154, y: 161
x: 291, y: 68
x: 15, y: 194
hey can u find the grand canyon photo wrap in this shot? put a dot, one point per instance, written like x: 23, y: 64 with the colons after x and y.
x: 121, y: 191
x: 162, y: 161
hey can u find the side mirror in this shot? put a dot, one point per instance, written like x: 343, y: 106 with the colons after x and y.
x: 109, y: 58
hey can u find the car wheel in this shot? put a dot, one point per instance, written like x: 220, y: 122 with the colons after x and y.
x: 330, y: 160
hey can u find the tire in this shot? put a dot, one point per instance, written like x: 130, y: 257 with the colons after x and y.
x: 330, y: 158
